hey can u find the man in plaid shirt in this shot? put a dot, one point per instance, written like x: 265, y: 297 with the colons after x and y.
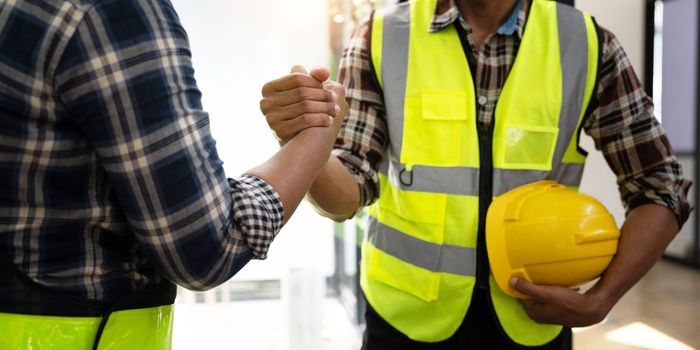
x: 621, y: 122
x: 109, y: 176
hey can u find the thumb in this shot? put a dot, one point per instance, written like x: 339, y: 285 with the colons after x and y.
x: 320, y: 73
x: 531, y: 290
x: 298, y: 69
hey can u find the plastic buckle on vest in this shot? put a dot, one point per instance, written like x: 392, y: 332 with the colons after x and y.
x: 408, y: 171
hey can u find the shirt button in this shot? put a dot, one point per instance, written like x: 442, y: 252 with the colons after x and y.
x: 482, y: 100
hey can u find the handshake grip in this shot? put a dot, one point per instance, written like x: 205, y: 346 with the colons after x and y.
x: 302, y: 100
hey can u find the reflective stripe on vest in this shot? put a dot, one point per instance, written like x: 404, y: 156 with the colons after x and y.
x: 464, y: 180
x: 419, y: 257
x: 149, y: 328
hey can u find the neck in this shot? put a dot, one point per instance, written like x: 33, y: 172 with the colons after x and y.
x: 486, y: 15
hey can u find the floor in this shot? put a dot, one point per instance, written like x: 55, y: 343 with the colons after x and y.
x: 662, y: 312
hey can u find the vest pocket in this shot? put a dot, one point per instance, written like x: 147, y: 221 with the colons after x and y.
x: 525, y: 147
x: 391, y: 271
x: 436, y: 129
x: 405, y: 253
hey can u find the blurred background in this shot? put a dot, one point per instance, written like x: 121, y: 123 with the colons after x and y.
x: 305, y: 295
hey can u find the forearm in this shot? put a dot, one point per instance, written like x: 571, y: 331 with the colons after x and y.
x: 293, y: 169
x: 645, y: 234
x: 335, y: 194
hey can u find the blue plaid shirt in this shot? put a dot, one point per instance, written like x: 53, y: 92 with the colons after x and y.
x: 109, y: 176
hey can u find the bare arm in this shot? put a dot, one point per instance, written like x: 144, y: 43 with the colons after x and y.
x: 299, y: 108
x: 644, y: 237
x: 645, y: 234
x: 292, y: 170
x: 335, y: 193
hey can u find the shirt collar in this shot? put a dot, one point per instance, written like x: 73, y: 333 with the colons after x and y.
x: 446, y: 13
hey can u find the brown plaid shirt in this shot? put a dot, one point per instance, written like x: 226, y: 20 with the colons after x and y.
x: 623, y: 125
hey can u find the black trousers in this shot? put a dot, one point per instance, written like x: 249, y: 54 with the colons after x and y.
x: 479, y: 330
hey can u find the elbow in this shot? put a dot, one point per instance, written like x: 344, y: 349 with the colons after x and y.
x: 206, y: 267
x: 195, y: 286
x: 333, y: 212
x: 335, y: 216
x: 339, y: 217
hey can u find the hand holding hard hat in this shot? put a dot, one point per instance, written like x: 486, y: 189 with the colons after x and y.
x: 548, y: 234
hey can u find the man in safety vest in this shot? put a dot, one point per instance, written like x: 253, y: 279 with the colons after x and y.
x: 455, y: 102
x: 111, y: 189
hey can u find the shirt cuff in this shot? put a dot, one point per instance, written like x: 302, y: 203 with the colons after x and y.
x: 257, y: 211
x: 677, y: 203
x: 366, y: 177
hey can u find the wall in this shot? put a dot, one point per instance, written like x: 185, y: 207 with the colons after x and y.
x: 237, y: 46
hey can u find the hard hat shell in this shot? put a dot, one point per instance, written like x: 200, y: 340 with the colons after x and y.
x: 548, y: 234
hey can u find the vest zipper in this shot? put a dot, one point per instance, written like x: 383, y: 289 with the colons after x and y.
x: 483, y: 271
x: 485, y: 134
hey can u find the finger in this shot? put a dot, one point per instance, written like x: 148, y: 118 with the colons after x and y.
x: 298, y: 69
x: 534, y: 291
x: 537, y: 312
x: 285, y: 129
x: 310, y: 120
x: 339, y: 89
x: 320, y: 73
x: 291, y: 96
x: 300, y: 108
x: 290, y: 81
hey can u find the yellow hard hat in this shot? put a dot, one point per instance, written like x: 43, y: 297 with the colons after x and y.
x: 548, y: 234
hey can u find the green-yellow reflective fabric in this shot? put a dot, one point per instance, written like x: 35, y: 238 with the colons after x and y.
x: 376, y: 44
x: 528, y: 109
x: 419, y: 214
x: 424, y: 306
x: 439, y: 110
x: 149, y: 328
x: 515, y: 321
x: 439, y: 127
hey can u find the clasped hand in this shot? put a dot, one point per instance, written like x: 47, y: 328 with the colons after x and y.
x: 302, y: 100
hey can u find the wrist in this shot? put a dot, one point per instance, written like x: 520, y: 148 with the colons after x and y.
x: 603, y: 298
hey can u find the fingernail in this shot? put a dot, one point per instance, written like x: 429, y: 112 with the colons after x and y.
x: 513, y: 281
x: 335, y: 96
x: 337, y: 109
x: 330, y: 119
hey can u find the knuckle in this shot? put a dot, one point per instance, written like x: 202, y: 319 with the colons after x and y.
x: 298, y: 79
x: 306, y: 105
x: 331, y: 108
x: 304, y: 94
x: 308, y: 119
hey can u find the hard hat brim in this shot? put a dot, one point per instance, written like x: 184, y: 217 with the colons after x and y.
x: 497, y: 249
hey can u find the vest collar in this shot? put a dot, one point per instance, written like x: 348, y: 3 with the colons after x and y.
x: 446, y: 13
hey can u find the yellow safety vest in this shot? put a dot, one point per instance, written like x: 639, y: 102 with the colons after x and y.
x: 33, y: 316
x: 424, y: 253
x: 149, y: 328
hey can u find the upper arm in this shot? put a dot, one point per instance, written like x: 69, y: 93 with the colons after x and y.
x: 126, y: 80
x: 632, y: 140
